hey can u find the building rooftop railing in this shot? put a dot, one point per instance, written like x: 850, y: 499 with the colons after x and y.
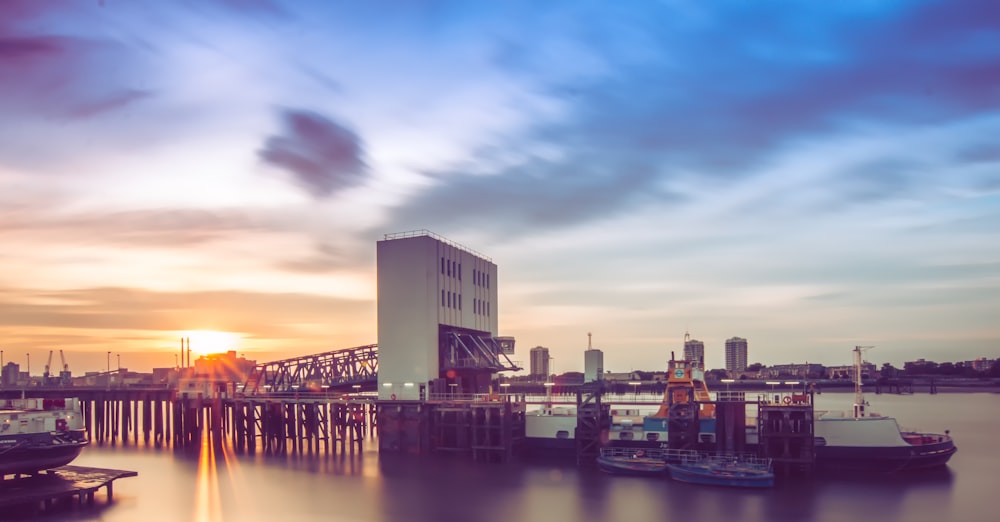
x: 424, y: 232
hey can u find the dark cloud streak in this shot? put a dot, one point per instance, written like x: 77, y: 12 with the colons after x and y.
x: 323, y: 156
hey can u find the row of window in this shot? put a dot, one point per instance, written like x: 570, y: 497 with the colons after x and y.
x: 480, y: 278
x: 481, y: 307
x: 454, y: 269
x: 451, y: 268
x: 454, y: 300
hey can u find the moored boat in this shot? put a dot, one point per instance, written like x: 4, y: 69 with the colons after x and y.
x: 631, y: 461
x: 724, y: 470
x: 39, y: 434
x: 863, y: 441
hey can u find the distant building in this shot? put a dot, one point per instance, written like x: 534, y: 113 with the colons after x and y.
x: 539, y: 367
x: 224, y: 367
x: 801, y: 371
x: 11, y: 373
x: 621, y: 376
x: 981, y: 364
x: 736, y: 354
x: 593, y: 365
x: 868, y: 371
x: 694, y: 351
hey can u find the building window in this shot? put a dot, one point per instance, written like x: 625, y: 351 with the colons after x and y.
x: 449, y: 299
x: 442, y: 297
x: 459, y: 301
x: 449, y: 267
x: 442, y: 265
x: 460, y: 271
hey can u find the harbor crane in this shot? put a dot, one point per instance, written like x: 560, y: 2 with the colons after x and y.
x: 65, y: 377
x: 45, y: 374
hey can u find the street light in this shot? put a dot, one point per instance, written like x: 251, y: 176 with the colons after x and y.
x: 728, y: 382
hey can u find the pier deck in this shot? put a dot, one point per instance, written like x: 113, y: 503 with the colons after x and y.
x: 66, y: 485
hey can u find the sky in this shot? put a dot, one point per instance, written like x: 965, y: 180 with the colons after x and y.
x: 808, y: 175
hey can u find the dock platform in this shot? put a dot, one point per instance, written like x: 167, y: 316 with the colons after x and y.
x: 64, y: 486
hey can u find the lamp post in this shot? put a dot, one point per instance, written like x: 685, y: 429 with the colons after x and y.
x: 109, y: 369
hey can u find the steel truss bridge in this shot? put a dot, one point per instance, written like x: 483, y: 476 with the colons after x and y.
x: 347, y: 370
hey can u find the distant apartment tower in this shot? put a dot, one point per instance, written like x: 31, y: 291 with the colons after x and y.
x: 437, y: 318
x: 694, y: 351
x: 593, y: 363
x: 736, y: 354
x: 539, y: 363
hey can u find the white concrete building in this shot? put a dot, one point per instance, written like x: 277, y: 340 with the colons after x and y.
x: 437, y: 318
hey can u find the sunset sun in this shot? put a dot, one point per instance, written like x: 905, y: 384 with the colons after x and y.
x: 204, y: 342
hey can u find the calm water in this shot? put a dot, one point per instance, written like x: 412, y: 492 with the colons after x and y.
x: 221, y: 487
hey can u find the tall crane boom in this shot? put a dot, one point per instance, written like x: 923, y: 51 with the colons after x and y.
x: 48, y: 363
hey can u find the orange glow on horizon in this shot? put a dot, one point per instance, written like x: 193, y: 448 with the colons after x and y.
x: 205, y: 342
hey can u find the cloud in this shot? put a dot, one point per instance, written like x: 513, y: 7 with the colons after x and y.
x: 323, y: 156
x: 150, y: 227
x: 144, y: 321
x: 715, y: 94
x: 57, y: 75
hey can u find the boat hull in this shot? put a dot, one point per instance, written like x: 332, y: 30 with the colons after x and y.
x: 632, y: 466
x: 711, y: 476
x: 884, y: 459
x: 39, y: 452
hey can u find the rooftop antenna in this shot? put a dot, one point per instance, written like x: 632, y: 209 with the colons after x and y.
x: 589, y: 345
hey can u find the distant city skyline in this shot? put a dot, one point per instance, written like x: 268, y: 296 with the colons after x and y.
x: 827, y: 179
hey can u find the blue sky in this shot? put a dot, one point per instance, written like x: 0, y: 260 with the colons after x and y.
x: 808, y: 175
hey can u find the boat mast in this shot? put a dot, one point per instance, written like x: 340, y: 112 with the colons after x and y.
x: 859, y: 398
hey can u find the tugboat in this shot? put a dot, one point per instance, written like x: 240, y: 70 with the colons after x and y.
x: 864, y: 441
x: 39, y: 434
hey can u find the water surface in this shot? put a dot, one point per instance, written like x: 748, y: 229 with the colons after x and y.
x: 210, y: 486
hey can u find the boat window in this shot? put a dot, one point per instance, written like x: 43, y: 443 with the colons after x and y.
x: 819, y: 441
x: 625, y: 435
x: 562, y: 434
x: 652, y: 437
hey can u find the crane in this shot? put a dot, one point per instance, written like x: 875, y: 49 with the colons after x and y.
x: 65, y: 377
x: 45, y: 374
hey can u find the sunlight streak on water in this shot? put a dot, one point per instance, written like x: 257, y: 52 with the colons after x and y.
x: 206, y: 498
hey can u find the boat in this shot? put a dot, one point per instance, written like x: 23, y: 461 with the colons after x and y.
x: 39, y: 434
x: 549, y: 431
x: 862, y: 441
x: 620, y: 460
x: 741, y: 471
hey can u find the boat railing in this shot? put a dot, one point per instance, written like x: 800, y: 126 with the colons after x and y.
x: 666, y: 454
x: 749, y: 460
